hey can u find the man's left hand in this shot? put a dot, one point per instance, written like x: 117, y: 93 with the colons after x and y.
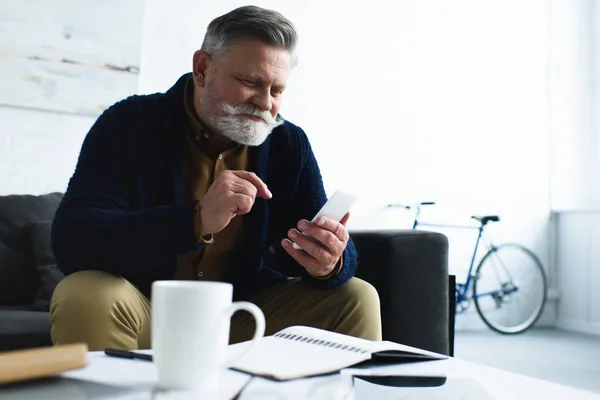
x: 320, y: 255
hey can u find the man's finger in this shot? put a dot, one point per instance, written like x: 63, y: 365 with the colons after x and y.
x: 344, y: 220
x: 261, y: 187
x: 310, y: 245
x: 325, y: 237
x: 241, y: 204
x: 243, y: 187
x: 335, y: 227
x: 303, y: 258
x: 299, y: 255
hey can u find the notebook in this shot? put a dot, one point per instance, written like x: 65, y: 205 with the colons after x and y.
x: 22, y: 365
x: 301, y: 351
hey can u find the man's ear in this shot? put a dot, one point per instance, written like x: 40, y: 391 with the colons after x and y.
x: 200, y: 66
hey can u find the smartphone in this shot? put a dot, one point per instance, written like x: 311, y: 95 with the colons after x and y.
x: 336, y: 207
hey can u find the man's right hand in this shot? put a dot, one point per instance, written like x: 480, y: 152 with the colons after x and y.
x: 232, y: 193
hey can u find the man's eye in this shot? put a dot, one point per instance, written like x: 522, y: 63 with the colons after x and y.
x: 249, y: 83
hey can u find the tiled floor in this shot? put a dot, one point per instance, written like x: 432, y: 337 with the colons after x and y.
x: 568, y: 358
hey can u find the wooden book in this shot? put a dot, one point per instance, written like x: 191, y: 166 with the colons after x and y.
x: 22, y: 365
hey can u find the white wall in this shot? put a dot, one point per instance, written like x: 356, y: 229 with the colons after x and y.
x: 575, y: 110
x: 61, y: 64
x: 69, y: 55
x: 38, y: 149
x: 578, y: 259
x: 167, y: 48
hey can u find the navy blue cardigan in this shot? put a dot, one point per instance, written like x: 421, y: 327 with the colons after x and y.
x: 124, y: 210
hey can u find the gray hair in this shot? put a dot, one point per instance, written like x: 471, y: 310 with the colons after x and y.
x: 270, y: 27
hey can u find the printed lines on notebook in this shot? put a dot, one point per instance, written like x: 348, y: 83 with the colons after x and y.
x: 317, y: 342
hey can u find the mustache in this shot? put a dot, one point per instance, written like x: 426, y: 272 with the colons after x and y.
x: 250, y: 109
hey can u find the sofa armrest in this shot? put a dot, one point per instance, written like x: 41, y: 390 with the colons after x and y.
x: 409, y: 269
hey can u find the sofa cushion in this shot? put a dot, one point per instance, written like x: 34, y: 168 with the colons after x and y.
x: 23, y: 329
x: 18, y: 277
x: 47, y: 270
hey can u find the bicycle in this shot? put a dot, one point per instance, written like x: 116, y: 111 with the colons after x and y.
x: 509, y: 286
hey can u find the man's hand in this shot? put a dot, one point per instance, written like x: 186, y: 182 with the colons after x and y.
x: 320, y: 256
x: 232, y: 193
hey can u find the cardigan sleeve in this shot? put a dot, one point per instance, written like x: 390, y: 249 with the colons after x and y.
x: 97, y: 225
x: 309, y: 196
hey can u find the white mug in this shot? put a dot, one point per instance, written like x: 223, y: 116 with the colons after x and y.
x: 190, y: 331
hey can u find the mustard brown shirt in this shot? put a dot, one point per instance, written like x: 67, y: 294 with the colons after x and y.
x: 202, y: 164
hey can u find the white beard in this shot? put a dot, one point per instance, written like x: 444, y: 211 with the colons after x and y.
x: 231, y: 123
x: 242, y: 129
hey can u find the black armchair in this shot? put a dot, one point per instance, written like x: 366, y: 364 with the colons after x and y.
x: 409, y: 269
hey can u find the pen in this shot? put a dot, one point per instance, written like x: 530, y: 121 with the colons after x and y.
x: 127, y: 354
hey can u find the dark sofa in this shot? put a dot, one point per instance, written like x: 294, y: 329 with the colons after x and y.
x: 28, y: 274
x: 408, y: 268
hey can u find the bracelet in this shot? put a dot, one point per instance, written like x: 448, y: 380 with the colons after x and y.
x: 207, y: 239
x: 336, y: 270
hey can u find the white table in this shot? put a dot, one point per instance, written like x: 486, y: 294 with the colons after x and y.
x: 112, y: 378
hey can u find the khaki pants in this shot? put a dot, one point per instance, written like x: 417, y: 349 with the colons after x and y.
x: 104, y: 311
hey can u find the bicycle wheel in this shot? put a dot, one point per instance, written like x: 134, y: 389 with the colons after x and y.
x: 510, y: 288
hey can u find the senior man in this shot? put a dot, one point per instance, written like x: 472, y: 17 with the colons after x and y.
x: 201, y: 183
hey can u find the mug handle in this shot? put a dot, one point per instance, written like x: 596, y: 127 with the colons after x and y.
x: 259, y: 331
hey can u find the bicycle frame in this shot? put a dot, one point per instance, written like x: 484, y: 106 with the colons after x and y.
x: 463, y: 296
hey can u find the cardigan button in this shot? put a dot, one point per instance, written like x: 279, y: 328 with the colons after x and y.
x: 200, y: 274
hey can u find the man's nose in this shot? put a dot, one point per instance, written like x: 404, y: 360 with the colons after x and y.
x: 263, y: 100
